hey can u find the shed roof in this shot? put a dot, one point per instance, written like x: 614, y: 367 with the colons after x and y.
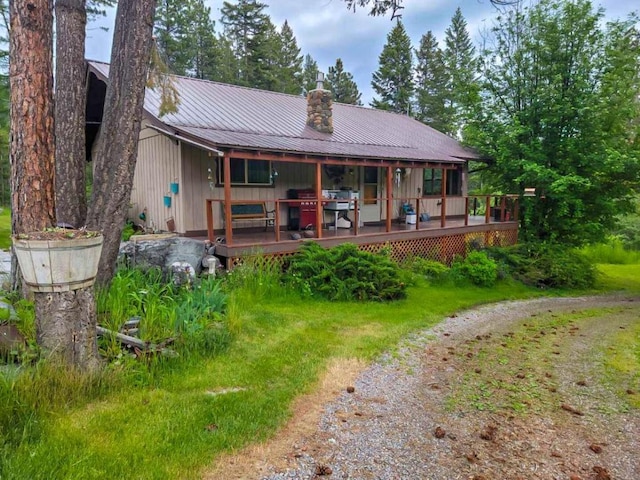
x: 230, y: 116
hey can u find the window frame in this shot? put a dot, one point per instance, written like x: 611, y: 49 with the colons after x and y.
x: 246, y: 182
x: 454, y: 182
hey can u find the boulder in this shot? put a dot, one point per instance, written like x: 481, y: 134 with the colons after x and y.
x: 163, y: 251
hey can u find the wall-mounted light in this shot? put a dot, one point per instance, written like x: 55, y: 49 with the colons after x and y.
x: 529, y: 192
x: 274, y: 175
x: 398, y: 175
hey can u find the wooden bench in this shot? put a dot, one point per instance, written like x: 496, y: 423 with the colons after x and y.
x: 251, y: 212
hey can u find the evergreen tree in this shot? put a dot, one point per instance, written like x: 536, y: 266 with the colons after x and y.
x: 247, y: 27
x: 431, y: 86
x: 290, y: 62
x: 393, y: 80
x: 461, y: 65
x: 222, y: 65
x: 204, y: 49
x: 342, y: 85
x: 264, y: 57
x: 185, y: 36
x: 561, y: 114
x: 309, y: 74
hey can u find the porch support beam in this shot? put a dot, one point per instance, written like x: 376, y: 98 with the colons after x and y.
x: 319, y: 211
x: 389, y: 197
x: 228, y: 230
x: 443, y: 206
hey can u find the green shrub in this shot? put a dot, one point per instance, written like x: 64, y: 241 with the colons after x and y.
x: 428, y: 268
x: 128, y: 231
x: 344, y: 273
x: 546, y: 265
x: 477, y: 268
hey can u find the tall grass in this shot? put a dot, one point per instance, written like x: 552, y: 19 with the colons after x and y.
x: 611, y: 252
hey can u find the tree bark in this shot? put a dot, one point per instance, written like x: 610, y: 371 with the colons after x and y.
x: 117, y: 146
x: 70, y: 107
x: 66, y: 327
x: 31, y: 87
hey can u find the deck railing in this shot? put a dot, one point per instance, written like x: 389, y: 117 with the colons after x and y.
x: 477, y: 209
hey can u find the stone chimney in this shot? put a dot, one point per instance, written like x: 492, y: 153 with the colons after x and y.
x: 320, y: 107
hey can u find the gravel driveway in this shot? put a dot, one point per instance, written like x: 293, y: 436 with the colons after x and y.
x: 487, y: 394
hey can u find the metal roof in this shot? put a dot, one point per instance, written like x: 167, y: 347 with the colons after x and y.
x: 238, y: 117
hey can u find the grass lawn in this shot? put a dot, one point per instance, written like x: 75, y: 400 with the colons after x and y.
x: 175, y: 424
x: 5, y: 228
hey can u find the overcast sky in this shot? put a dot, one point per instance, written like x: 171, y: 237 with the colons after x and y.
x: 327, y: 30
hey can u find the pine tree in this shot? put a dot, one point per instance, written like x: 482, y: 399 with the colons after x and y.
x: 290, y: 62
x: 309, y: 74
x: 431, y: 85
x: 393, y: 80
x: 342, y: 85
x: 222, y: 65
x: 462, y: 66
x: 247, y: 27
x: 185, y: 36
x: 264, y: 57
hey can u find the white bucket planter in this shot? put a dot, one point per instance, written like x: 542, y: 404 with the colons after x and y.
x: 58, y: 265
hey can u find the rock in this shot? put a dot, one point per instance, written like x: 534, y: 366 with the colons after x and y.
x: 162, y: 251
x: 350, y: 389
x: 439, y: 432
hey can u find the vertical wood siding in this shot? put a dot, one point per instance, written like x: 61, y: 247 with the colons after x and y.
x: 158, y: 165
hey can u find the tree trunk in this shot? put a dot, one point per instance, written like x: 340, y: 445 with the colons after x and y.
x: 117, y: 147
x: 31, y: 85
x: 66, y: 327
x: 71, y: 200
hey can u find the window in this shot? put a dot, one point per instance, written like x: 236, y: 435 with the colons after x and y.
x: 432, y: 182
x: 247, y: 172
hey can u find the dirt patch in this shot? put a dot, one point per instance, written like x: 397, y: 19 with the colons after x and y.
x: 279, y: 452
x: 510, y: 391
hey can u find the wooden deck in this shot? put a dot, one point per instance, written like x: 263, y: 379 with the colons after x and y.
x: 427, y: 239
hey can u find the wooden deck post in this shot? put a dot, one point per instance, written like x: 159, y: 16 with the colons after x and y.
x: 466, y: 211
x: 319, y: 211
x: 356, y: 215
x: 487, y: 213
x: 389, y: 197
x: 209, y: 207
x: 443, y: 206
x: 276, y: 226
x: 417, y: 213
x: 228, y: 230
x: 503, y: 204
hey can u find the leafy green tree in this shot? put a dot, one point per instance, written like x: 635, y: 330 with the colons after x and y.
x: 560, y: 113
x: 461, y: 67
x: 309, y: 74
x: 393, y: 81
x: 431, y: 85
x: 342, y: 85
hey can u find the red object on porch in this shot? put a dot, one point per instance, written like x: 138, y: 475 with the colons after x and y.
x: 306, y: 211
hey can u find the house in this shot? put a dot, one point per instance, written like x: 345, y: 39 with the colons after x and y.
x: 253, y: 168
